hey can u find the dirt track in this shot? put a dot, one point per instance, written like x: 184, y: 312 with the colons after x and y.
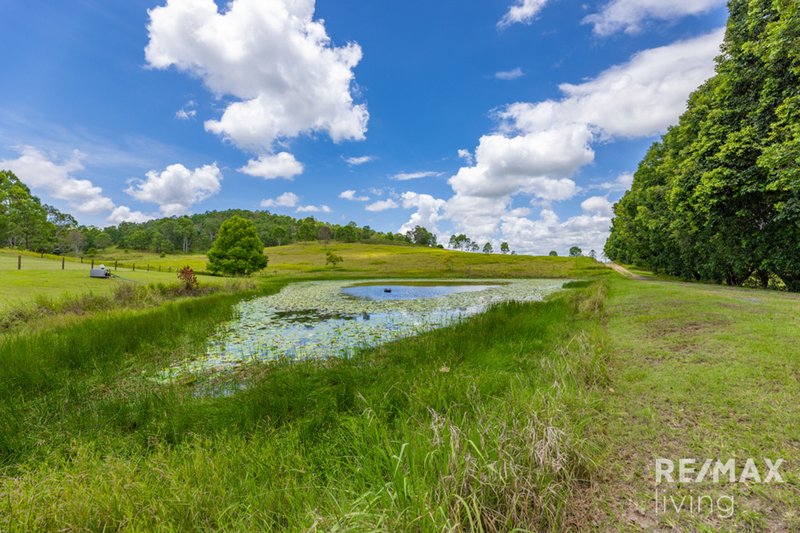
x: 624, y: 271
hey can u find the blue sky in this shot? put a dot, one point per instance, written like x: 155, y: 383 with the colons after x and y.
x: 516, y: 120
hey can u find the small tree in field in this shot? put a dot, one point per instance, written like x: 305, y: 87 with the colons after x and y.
x: 575, y: 252
x: 553, y: 253
x: 504, y: 247
x: 487, y: 248
x: 332, y: 259
x: 189, y: 279
x: 237, y: 249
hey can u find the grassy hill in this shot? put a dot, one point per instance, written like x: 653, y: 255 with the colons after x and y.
x: 308, y: 259
x: 371, y: 260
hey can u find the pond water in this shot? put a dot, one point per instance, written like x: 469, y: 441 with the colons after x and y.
x: 325, y: 319
x: 409, y: 292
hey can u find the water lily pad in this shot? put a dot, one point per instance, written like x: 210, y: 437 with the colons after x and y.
x: 319, y: 320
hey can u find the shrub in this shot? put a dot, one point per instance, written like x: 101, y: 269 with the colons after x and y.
x: 189, y: 279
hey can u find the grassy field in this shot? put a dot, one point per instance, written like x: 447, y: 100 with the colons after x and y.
x: 44, y: 278
x: 698, y: 371
x: 369, y: 260
x: 477, y: 425
x: 307, y: 259
x: 542, y: 416
x: 127, y: 258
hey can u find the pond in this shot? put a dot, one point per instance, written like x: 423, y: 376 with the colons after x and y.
x: 323, y: 319
x: 409, y: 291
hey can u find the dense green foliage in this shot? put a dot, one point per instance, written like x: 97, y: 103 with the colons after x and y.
x: 237, y: 249
x: 196, y: 233
x: 719, y: 197
x: 27, y: 223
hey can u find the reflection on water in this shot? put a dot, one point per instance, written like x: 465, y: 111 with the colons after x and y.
x: 410, y: 292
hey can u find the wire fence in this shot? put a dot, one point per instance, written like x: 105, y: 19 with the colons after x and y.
x: 10, y: 261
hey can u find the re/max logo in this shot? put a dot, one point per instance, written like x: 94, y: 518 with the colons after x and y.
x: 692, y: 471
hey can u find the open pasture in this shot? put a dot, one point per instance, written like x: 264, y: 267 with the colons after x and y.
x: 43, y: 277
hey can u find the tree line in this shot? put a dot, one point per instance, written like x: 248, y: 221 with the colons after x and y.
x: 27, y: 223
x: 464, y: 243
x: 718, y: 197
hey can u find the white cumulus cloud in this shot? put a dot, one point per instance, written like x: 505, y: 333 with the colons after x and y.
x: 361, y: 160
x: 598, y: 205
x: 271, y: 58
x: 508, y: 75
x: 287, y: 199
x: 125, y: 214
x: 588, y: 230
x: 539, y: 147
x: 352, y: 196
x: 523, y: 11
x: 290, y: 200
x: 622, y: 183
x: 382, y: 205
x: 176, y: 188
x: 630, y: 15
x: 281, y: 165
x: 313, y: 209
x: 39, y: 172
x: 428, y: 211
x: 187, y: 112
x: 635, y: 99
x: 406, y: 176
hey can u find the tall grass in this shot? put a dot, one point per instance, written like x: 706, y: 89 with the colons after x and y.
x: 125, y: 296
x: 477, y: 426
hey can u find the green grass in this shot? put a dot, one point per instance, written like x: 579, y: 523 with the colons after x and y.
x: 43, y: 277
x: 308, y: 259
x: 376, y: 260
x: 477, y: 425
x: 700, y: 371
x: 544, y: 416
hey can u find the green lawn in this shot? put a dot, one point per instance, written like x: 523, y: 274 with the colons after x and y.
x: 699, y: 371
x: 44, y: 277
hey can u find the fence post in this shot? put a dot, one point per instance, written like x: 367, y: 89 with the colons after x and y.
x: 19, y: 262
x: 134, y: 267
x: 148, y: 268
x: 115, y: 264
x: 92, y: 263
x: 62, y: 262
x: 159, y: 268
x: 81, y: 259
